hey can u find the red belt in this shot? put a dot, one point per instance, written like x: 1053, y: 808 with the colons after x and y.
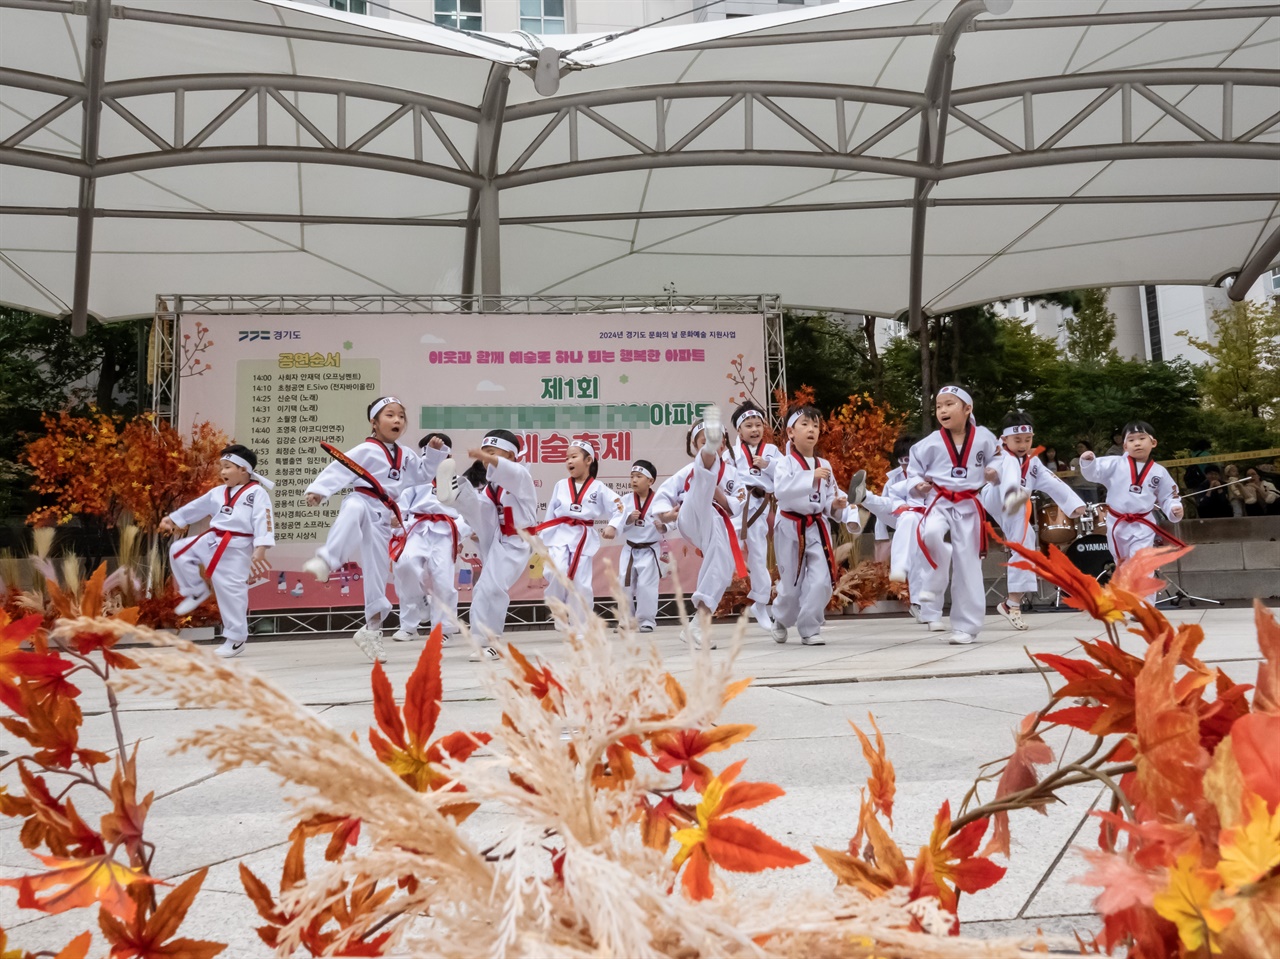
x: 586, y: 525
x: 224, y: 535
x: 436, y: 518
x: 908, y: 509
x: 1138, y: 518
x: 952, y: 496
x: 739, y: 562
x: 803, y: 521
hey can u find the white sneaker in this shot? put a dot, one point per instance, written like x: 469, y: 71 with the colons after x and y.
x: 190, y: 604
x: 814, y: 640
x: 1013, y: 614
x: 229, y: 649
x: 914, y: 610
x: 935, y: 626
x: 482, y: 654
x: 897, y: 575
x: 761, y: 612
x: 646, y: 627
x: 695, y: 636
x: 404, y: 636
x: 714, y: 427
x: 447, y: 482
x: 370, y: 643
x: 961, y: 639
x: 779, y: 632
x: 857, y: 490
x: 317, y: 568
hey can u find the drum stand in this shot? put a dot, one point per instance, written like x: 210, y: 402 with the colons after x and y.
x: 1175, y: 594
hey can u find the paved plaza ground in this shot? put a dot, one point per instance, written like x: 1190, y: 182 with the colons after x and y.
x: 944, y: 710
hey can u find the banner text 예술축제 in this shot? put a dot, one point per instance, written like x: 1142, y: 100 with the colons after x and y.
x: 629, y: 382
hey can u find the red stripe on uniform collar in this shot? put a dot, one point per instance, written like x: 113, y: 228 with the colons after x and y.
x: 395, y: 462
x: 959, y: 457
x: 228, y: 499
x: 1136, y: 478
x: 576, y: 495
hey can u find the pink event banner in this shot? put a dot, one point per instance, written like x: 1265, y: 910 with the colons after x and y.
x: 630, y: 382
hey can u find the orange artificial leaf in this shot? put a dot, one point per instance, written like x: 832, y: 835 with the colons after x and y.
x: 1266, y: 699
x: 43, y: 672
x: 153, y: 939
x: 53, y: 823
x: 77, y: 948
x: 98, y: 880
x: 1114, y: 712
x: 1254, y: 740
x: 1133, y: 576
x: 1251, y: 850
x: 881, y: 781
x: 1171, y: 762
x: 52, y: 726
x: 342, y: 832
x: 683, y: 747
x: 403, y: 746
x: 124, y: 823
x: 948, y: 866
x: 1080, y: 590
x: 873, y: 873
x: 538, y: 681
x: 1125, y: 884
x: 1019, y: 773
x: 1189, y: 901
x: 727, y: 841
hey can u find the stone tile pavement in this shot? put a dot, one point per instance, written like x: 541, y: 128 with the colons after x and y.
x: 944, y: 710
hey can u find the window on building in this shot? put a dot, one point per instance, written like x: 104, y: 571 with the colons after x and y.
x: 542, y: 16
x: 350, y: 6
x: 1153, y: 322
x: 462, y: 14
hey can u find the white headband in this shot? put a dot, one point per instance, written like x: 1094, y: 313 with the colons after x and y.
x: 1015, y: 430
x: 957, y: 392
x: 696, y: 430
x: 746, y: 415
x: 379, y: 404
x: 791, y: 420
x: 500, y: 443
x: 244, y: 465
x: 641, y: 469
x: 585, y: 447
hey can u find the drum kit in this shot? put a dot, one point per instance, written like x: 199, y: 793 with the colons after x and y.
x: 1083, y: 539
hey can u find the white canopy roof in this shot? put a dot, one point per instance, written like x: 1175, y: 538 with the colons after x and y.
x: 867, y: 156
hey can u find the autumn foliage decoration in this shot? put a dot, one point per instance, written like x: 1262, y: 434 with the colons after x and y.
x: 107, y: 869
x: 104, y: 466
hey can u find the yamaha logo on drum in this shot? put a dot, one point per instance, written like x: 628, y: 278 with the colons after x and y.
x: 1085, y: 547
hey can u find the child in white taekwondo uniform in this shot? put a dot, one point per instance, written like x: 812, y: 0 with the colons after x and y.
x: 807, y: 496
x: 424, y: 570
x: 1136, y: 484
x: 507, y: 506
x: 702, y: 499
x: 569, y: 531
x: 752, y: 456
x: 642, y: 531
x: 1021, y: 474
x: 899, y: 506
x: 232, y: 552
x: 362, y: 530
x: 950, y: 468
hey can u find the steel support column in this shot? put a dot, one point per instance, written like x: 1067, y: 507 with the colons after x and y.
x: 483, y: 233
x: 1262, y: 258
x: 97, y: 18
x: 933, y: 132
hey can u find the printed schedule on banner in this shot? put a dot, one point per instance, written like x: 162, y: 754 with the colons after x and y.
x: 630, y: 383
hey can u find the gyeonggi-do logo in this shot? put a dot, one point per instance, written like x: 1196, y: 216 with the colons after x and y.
x: 248, y: 336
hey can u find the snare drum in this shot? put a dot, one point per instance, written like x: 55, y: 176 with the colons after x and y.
x: 1056, y: 527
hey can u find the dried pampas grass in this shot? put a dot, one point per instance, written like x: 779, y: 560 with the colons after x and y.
x: 571, y: 876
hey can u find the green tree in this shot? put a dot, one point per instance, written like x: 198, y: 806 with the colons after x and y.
x: 829, y: 356
x: 44, y: 368
x: 1244, y: 368
x: 1091, y: 330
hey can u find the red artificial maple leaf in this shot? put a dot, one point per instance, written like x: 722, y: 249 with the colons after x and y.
x: 1080, y: 590
x: 1254, y: 740
x: 682, y: 747
x: 153, y: 938
x: 1267, y: 697
x: 404, y: 744
x: 1133, y: 576
x: 540, y: 682
x: 52, y: 725
x: 124, y: 823
x: 1171, y: 762
x: 1019, y: 773
x: 947, y: 867
x: 98, y: 879
x: 50, y: 822
x: 42, y: 672
x: 727, y: 841
x: 881, y: 782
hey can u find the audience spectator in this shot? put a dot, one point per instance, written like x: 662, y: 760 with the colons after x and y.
x: 1235, y: 495
x: 1259, y: 495
x: 1117, y: 443
x: 1050, y: 459
x: 1212, y: 503
x: 1082, y: 447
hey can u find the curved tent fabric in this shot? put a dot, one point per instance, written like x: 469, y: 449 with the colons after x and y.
x: 835, y: 155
